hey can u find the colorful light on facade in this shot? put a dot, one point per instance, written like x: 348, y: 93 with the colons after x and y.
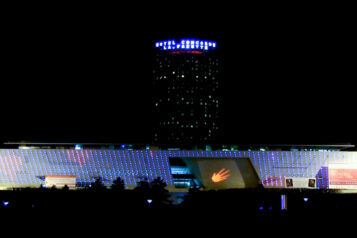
x: 24, y: 168
x: 190, y: 44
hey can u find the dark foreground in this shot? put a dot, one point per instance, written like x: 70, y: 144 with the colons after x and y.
x: 259, y: 211
x: 256, y: 202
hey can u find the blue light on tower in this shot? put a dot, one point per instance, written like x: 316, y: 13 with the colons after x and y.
x: 187, y: 44
x: 78, y: 147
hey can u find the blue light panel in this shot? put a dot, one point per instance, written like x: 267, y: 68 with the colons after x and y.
x: 188, y: 44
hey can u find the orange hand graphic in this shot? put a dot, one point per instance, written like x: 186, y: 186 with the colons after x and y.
x: 222, y: 175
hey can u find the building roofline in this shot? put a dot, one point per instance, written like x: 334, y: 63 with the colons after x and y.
x: 345, y: 145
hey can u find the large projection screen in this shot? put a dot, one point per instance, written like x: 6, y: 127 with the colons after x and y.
x: 223, y: 173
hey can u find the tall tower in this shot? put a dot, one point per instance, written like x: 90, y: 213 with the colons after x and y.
x: 186, y: 101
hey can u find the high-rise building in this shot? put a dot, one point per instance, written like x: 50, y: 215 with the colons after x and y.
x: 186, y: 98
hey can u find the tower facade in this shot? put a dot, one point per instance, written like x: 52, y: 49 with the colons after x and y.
x: 186, y: 102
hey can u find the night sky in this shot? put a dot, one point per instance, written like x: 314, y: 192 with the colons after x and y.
x: 86, y: 76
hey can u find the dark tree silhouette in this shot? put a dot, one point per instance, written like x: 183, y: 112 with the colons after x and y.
x: 98, y: 184
x: 158, y: 184
x: 142, y: 192
x: 159, y: 194
x: 143, y: 186
x: 118, y: 184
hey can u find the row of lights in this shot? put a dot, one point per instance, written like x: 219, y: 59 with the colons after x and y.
x: 15, y: 170
x: 185, y: 44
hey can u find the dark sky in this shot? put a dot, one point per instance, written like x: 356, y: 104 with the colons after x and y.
x: 84, y: 73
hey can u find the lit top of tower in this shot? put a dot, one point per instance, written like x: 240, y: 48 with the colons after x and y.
x: 185, y: 44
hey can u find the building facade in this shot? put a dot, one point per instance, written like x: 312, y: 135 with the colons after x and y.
x: 186, y: 102
x: 29, y: 167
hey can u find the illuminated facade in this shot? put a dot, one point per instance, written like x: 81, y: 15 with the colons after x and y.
x: 27, y: 168
x: 186, y: 102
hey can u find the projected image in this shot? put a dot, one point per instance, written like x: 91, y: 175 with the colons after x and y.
x: 223, y: 173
